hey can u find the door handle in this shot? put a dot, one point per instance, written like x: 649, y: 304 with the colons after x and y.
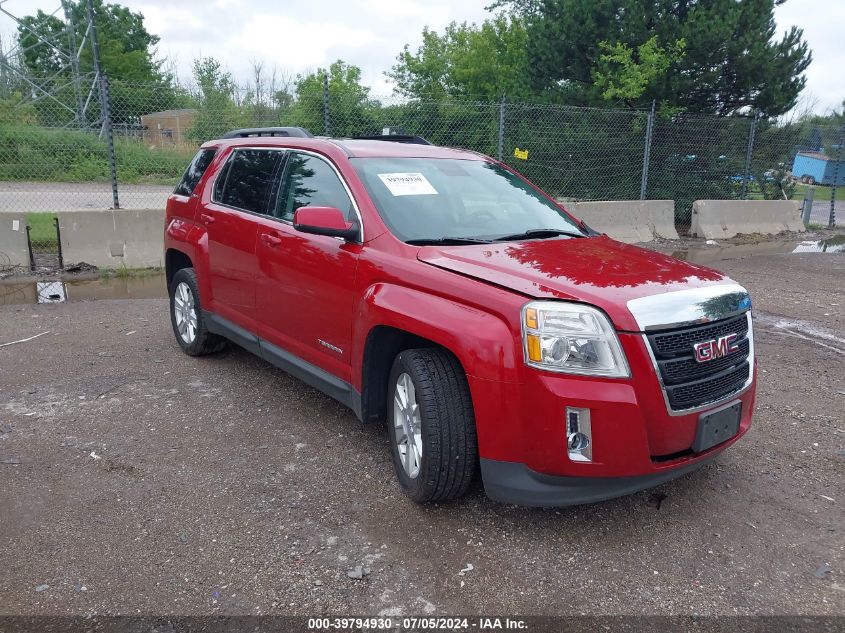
x: 269, y: 239
x: 206, y: 218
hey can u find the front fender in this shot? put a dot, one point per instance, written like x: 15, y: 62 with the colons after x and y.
x: 482, y: 342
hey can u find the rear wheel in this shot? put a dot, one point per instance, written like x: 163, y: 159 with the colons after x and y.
x: 186, y: 316
x: 811, y: 180
x: 431, y: 425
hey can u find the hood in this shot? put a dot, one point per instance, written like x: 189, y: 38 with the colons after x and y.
x: 597, y: 270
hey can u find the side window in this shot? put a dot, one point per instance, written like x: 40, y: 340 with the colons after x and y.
x: 248, y: 179
x: 194, y: 173
x: 311, y: 182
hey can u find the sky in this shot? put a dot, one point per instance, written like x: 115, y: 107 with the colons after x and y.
x: 296, y: 36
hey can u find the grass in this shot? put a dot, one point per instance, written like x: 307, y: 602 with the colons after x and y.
x: 56, y: 155
x: 42, y: 231
x: 128, y: 271
x: 822, y: 193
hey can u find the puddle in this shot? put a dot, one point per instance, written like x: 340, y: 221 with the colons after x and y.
x: 835, y: 244
x: 148, y: 287
x: 719, y: 252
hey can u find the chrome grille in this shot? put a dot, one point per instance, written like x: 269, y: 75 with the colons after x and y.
x: 679, y: 342
x: 689, y: 384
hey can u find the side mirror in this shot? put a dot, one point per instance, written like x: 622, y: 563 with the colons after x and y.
x: 324, y: 221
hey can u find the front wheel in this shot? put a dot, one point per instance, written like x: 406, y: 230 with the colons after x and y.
x: 186, y: 316
x: 431, y: 425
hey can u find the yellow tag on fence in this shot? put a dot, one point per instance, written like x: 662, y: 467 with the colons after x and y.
x: 521, y: 154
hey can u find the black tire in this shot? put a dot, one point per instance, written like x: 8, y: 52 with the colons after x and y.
x: 449, y: 442
x: 811, y: 180
x: 804, y: 179
x: 204, y: 342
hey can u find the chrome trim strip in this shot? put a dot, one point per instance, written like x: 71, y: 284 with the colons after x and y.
x: 716, y: 403
x: 692, y: 306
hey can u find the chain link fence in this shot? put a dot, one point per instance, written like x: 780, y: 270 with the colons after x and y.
x: 128, y: 144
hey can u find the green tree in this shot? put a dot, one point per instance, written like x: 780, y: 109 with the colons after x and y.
x: 127, y: 49
x: 351, y: 111
x: 731, y: 61
x: 127, y: 57
x: 625, y: 74
x: 217, y: 112
x: 467, y: 61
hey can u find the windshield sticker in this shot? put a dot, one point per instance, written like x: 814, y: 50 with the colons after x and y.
x: 413, y: 184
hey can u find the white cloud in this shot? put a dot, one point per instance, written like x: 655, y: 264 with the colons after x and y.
x: 823, y: 30
x: 300, y: 35
x: 292, y: 44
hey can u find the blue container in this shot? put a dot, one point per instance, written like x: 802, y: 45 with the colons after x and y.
x: 817, y: 168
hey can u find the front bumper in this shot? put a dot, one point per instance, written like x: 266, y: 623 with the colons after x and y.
x: 510, y: 482
x: 636, y: 442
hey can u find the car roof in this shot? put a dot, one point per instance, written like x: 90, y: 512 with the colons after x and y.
x: 352, y: 148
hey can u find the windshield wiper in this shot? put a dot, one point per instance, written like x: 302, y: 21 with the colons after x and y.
x: 446, y: 241
x: 537, y: 234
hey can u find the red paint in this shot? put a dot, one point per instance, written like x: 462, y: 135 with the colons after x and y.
x: 321, y: 217
x: 319, y: 297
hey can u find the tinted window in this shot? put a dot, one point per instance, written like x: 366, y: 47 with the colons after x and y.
x: 249, y: 179
x: 311, y: 182
x: 194, y: 172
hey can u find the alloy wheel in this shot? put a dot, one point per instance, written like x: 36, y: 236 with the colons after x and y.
x: 407, y: 425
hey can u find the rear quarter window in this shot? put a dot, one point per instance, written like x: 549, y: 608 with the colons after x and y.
x: 195, y: 171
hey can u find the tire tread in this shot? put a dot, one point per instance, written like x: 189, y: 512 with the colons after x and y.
x: 449, y: 423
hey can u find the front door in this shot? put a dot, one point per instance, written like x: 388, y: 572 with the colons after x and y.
x: 241, y: 193
x: 306, y: 289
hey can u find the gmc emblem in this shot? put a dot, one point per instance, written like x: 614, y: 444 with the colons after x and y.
x: 711, y: 350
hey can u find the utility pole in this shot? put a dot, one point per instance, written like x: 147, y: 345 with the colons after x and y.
x: 326, y: 122
x: 749, y: 152
x: 106, y: 130
x: 500, y: 150
x: 649, y: 128
x: 837, y: 166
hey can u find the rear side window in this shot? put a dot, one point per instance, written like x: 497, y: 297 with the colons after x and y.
x: 194, y: 173
x: 249, y: 178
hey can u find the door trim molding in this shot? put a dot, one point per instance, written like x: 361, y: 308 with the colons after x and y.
x: 308, y: 373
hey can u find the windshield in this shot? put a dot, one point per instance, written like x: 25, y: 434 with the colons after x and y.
x: 429, y: 199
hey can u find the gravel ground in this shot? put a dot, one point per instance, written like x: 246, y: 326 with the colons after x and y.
x: 137, y: 480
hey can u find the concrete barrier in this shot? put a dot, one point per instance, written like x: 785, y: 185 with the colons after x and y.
x: 722, y: 219
x: 13, y: 248
x: 629, y: 220
x: 132, y: 238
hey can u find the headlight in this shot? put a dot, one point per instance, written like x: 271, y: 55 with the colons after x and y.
x: 571, y: 338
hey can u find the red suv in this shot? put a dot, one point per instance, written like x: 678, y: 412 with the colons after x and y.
x: 439, y: 290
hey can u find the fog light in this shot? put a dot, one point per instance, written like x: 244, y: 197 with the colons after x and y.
x: 579, y: 435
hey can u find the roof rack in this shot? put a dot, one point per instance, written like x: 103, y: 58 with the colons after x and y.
x: 395, y: 138
x: 246, y: 132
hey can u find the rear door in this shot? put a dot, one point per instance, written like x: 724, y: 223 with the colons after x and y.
x: 306, y: 283
x: 240, y: 195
